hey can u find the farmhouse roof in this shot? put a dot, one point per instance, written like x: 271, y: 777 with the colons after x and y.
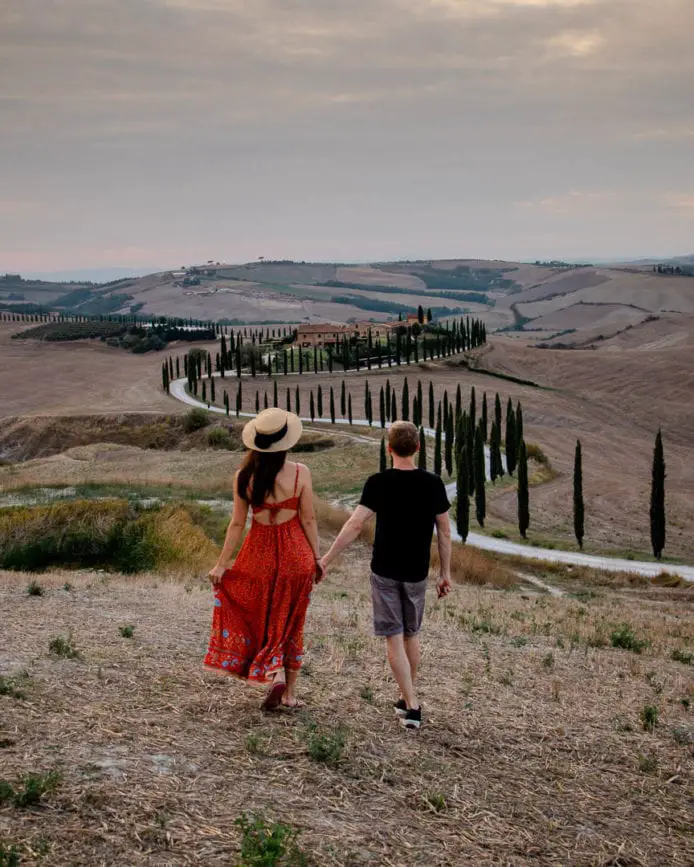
x: 321, y: 328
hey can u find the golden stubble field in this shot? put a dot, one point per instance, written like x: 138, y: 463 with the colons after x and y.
x: 543, y: 745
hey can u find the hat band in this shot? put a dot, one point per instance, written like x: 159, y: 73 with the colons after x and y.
x: 264, y: 441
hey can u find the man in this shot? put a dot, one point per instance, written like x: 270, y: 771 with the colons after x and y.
x: 407, y: 502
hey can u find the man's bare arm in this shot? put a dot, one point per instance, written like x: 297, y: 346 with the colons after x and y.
x: 348, y: 533
x: 443, y: 539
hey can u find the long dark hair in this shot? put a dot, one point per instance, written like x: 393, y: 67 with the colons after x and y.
x: 258, y: 474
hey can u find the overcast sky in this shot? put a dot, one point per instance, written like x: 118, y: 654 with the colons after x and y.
x: 153, y: 133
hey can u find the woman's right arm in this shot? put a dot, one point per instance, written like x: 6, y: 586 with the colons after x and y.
x: 234, y: 533
x: 307, y: 515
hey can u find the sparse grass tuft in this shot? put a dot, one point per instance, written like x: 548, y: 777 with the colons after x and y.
x: 255, y: 744
x: 367, y: 694
x: 625, y: 638
x: 435, y: 801
x: 649, y: 718
x: 325, y: 745
x: 268, y: 844
x: 64, y: 647
x: 548, y: 661
x: 682, y: 656
x: 9, y: 857
x: 32, y: 789
x: 35, y: 589
x: 126, y: 631
x: 9, y: 686
x: 648, y: 764
x: 220, y: 438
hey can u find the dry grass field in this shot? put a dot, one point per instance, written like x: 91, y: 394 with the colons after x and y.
x: 544, y: 744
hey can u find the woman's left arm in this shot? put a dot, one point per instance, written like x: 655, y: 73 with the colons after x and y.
x: 233, y: 536
x: 307, y: 515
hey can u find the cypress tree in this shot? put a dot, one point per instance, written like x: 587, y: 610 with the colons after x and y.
x: 445, y: 408
x: 497, y: 414
x: 382, y: 463
x: 289, y: 399
x: 485, y: 419
x: 239, y: 399
x: 393, y: 407
x: 204, y: 391
x: 480, y: 476
x: 369, y: 407
x: 519, y: 425
x: 493, y: 457
x: 297, y: 401
x: 472, y: 412
x: 265, y: 400
x: 420, y: 403
x: 212, y: 394
x: 388, y: 399
x: 462, y: 513
x: 349, y: 408
x: 275, y: 396
x: 448, y: 450
x: 405, y: 401
x: 511, y: 442
x: 332, y: 405
x: 257, y: 401
x: 438, y: 464
x: 226, y: 402
x: 523, y: 496
x: 658, y: 498
x: 320, y: 402
x: 252, y: 361
x: 432, y: 408
x: 422, y: 462
x: 578, y: 495
x: 458, y: 403
x: 178, y: 368
x: 301, y: 361
x: 470, y: 451
x: 312, y: 407
x: 343, y: 400
x: 382, y: 407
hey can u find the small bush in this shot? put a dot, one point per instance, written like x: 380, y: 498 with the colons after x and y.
x: 219, y: 438
x: 548, y: 661
x: 519, y: 641
x: 64, y: 647
x: 648, y: 764
x: 9, y: 686
x: 624, y: 638
x: 126, y: 631
x: 9, y: 857
x: 196, y: 419
x: 255, y: 744
x: 326, y: 746
x: 649, y: 718
x: 367, y: 694
x: 67, y: 587
x: 35, y: 589
x: 32, y: 789
x: 435, y: 801
x: 682, y: 656
x: 535, y: 453
x: 267, y: 844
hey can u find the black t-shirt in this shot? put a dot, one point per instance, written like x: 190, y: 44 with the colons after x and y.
x: 406, y: 503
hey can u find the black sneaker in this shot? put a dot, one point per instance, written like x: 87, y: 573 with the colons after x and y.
x: 400, y: 707
x: 412, y: 719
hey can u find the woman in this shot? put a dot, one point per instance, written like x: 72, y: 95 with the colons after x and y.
x: 261, y: 601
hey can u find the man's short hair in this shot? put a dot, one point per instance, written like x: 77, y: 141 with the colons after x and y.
x: 403, y: 438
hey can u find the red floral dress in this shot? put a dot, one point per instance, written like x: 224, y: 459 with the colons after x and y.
x: 261, y: 602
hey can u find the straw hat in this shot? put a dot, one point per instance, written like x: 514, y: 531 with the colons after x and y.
x: 272, y: 430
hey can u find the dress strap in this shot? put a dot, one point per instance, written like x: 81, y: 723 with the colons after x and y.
x: 296, y: 480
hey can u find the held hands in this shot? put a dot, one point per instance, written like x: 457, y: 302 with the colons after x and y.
x: 320, y: 571
x: 215, y: 575
x: 443, y: 586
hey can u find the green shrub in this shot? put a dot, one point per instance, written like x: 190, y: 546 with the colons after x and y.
x: 624, y: 638
x: 325, y: 746
x: 126, y: 631
x: 267, y: 844
x: 9, y: 686
x: 649, y: 718
x: 33, y: 787
x: 534, y: 451
x: 220, y: 438
x: 64, y: 647
x: 35, y: 589
x: 682, y: 656
x: 9, y: 857
x: 196, y: 419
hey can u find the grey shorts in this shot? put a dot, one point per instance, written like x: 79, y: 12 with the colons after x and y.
x: 398, y: 605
